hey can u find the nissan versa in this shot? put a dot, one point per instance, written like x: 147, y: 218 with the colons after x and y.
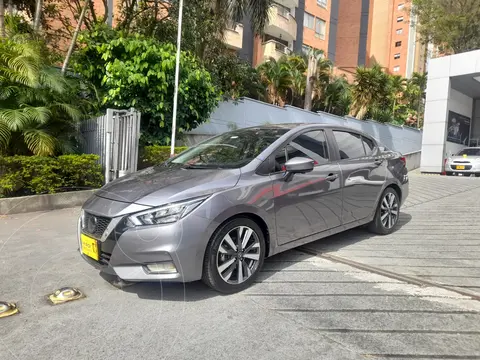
x: 217, y: 210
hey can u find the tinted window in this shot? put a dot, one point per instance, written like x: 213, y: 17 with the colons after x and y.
x: 368, y: 144
x: 350, y: 145
x: 311, y: 144
x: 470, y: 152
x: 230, y: 150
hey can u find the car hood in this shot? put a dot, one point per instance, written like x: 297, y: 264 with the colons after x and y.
x: 159, y: 185
x: 462, y: 158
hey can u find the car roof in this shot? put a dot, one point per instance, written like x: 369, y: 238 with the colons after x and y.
x: 300, y: 126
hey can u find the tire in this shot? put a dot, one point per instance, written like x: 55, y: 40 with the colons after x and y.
x: 384, y: 214
x: 222, y: 260
x: 449, y: 173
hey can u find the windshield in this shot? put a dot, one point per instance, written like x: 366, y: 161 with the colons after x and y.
x: 470, y: 152
x: 230, y: 150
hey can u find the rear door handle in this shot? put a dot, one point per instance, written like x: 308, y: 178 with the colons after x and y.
x: 332, y: 177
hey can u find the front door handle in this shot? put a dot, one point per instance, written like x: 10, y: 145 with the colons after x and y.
x: 332, y: 177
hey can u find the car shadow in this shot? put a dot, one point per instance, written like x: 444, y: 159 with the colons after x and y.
x: 198, y: 291
x: 352, y: 236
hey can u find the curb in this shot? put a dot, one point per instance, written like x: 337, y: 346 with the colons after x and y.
x: 25, y: 204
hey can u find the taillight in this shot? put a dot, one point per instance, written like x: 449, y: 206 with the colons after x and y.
x: 403, y: 159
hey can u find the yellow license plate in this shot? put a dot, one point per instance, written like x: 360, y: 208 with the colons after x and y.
x: 460, y: 167
x: 89, y: 246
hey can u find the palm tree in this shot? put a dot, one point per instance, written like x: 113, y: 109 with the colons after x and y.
x: 2, y: 19
x: 38, y: 107
x: 318, y: 73
x: 338, y: 96
x: 396, y: 89
x: 298, y: 84
x: 370, y: 89
x: 235, y: 10
x: 277, y: 77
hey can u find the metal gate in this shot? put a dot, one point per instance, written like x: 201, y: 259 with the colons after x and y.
x: 114, y: 137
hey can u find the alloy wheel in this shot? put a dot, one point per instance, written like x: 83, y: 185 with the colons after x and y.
x: 238, y: 255
x: 389, y: 210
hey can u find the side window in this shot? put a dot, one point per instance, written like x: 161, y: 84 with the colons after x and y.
x: 350, y: 145
x: 368, y: 145
x: 312, y: 144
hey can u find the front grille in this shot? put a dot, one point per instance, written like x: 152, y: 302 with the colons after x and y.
x: 95, y: 226
x: 461, y: 162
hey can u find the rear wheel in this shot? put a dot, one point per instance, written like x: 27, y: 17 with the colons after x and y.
x: 387, y: 214
x: 234, y: 256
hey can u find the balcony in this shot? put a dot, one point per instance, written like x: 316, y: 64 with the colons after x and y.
x: 274, y: 49
x: 234, y: 37
x: 288, y: 3
x: 281, y: 24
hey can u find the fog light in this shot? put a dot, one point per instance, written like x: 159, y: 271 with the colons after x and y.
x: 7, y: 309
x: 162, y: 268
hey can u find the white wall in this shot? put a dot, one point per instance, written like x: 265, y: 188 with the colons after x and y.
x: 441, y: 99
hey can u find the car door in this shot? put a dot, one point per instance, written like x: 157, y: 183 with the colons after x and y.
x: 309, y: 203
x: 363, y: 174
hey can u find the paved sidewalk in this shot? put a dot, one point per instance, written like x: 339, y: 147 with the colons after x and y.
x: 302, y: 307
x: 438, y: 238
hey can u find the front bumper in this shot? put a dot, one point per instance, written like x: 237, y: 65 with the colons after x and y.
x: 470, y: 168
x: 125, y: 253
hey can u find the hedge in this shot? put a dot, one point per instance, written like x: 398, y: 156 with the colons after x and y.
x: 155, y: 154
x: 28, y: 175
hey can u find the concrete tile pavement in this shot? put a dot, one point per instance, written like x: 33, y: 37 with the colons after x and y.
x: 302, y: 307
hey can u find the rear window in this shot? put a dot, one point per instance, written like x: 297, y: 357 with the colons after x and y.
x: 470, y: 152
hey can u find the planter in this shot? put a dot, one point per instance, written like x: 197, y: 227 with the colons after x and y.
x: 46, y: 202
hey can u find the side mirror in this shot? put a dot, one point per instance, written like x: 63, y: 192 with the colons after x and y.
x: 298, y: 165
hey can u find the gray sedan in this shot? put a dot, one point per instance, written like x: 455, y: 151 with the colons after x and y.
x: 217, y: 210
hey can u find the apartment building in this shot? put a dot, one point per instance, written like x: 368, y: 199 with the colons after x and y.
x: 379, y: 31
x: 351, y: 32
x: 293, y: 26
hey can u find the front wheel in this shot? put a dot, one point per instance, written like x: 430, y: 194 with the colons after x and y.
x: 387, y: 214
x: 234, y: 256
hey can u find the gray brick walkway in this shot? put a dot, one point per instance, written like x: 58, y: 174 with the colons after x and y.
x: 438, y: 238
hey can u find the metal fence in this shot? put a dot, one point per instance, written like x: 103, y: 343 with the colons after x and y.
x: 114, y: 137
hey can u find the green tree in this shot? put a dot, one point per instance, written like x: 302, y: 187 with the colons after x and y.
x: 338, y: 96
x: 135, y: 71
x: 396, y: 87
x: 370, y: 89
x: 277, y: 77
x: 454, y: 26
x: 39, y: 109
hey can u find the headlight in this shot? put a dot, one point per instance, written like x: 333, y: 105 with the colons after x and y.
x: 165, y: 214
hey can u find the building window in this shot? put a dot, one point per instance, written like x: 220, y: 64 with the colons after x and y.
x: 309, y: 21
x: 399, y: 31
x: 320, y: 26
x: 396, y: 68
x: 400, y: 6
x: 399, y: 19
x: 322, y: 3
x: 282, y: 10
x: 398, y: 44
x: 396, y: 56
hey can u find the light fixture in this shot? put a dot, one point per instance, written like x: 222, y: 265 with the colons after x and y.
x: 7, y: 309
x: 64, y: 295
x: 166, y: 267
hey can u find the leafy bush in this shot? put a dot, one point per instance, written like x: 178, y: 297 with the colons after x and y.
x: 28, y: 175
x: 39, y: 108
x: 136, y: 71
x: 155, y: 154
